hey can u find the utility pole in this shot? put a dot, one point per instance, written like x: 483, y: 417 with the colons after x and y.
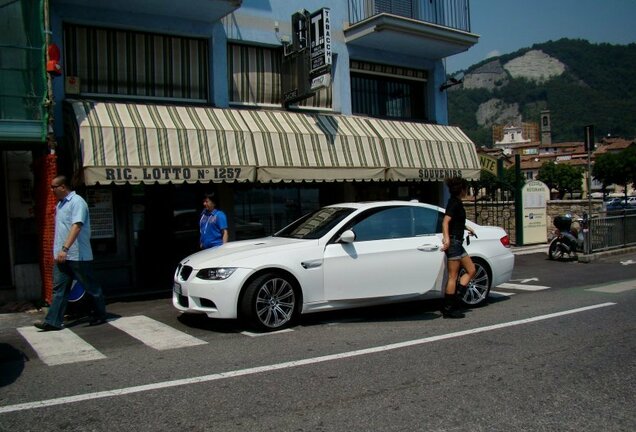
x: 589, y: 145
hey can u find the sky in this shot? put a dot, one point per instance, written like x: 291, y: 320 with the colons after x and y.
x: 504, y: 26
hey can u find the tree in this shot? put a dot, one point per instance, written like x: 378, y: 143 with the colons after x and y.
x: 490, y: 183
x: 547, y: 174
x: 569, y: 179
x: 616, y: 168
x: 605, y: 169
x: 562, y: 177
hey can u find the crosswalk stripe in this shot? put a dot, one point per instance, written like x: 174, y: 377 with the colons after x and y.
x: 496, y: 294
x: 616, y: 288
x: 155, y: 334
x: 59, y: 347
x: 251, y: 334
x: 522, y: 287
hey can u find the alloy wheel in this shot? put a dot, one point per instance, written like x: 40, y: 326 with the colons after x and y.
x: 275, y: 302
x: 479, y: 287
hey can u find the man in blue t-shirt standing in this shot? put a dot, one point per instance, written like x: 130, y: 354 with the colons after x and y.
x: 212, y: 225
x: 73, y: 257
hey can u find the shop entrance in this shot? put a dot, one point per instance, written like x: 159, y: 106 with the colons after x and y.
x: 5, y: 261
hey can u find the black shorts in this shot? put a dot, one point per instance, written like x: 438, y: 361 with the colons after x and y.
x: 455, y: 249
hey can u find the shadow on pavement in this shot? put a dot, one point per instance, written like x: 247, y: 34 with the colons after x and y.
x: 12, y: 364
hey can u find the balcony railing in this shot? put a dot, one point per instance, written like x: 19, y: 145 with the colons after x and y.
x: 454, y: 14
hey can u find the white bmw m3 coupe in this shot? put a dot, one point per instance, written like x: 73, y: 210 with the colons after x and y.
x: 341, y: 256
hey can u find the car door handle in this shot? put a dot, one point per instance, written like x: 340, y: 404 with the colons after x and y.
x: 428, y: 248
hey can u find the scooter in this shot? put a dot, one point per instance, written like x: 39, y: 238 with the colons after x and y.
x: 569, y: 236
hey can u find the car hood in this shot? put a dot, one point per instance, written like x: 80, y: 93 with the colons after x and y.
x: 238, y: 253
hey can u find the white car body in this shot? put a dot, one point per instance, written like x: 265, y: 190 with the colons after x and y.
x: 329, y: 273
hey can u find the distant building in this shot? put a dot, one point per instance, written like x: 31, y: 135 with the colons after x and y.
x: 546, y: 128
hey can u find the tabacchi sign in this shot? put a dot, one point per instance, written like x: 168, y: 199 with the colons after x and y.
x: 320, y: 39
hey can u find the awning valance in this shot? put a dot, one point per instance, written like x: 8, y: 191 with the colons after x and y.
x: 297, y: 147
x: 419, y: 151
x: 138, y: 143
x: 135, y: 143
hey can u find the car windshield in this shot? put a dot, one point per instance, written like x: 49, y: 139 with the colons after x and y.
x: 315, y: 225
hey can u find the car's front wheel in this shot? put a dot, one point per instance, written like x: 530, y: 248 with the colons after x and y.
x: 479, y: 287
x: 270, y: 302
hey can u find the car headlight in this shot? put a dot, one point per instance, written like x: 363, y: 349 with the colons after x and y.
x: 216, y: 273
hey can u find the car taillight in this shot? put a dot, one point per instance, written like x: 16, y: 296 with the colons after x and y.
x: 505, y: 240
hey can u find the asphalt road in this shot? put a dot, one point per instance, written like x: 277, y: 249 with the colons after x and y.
x: 558, y: 358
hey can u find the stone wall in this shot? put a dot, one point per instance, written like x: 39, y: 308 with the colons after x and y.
x: 503, y: 213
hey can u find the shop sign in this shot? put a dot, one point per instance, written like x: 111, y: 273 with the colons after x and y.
x: 438, y: 174
x: 320, y: 39
x: 535, y: 218
x: 488, y: 163
x: 181, y: 174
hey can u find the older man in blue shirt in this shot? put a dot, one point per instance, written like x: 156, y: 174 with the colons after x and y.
x: 73, y: 257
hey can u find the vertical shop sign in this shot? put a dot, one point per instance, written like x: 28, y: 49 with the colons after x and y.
x: 320, y: 40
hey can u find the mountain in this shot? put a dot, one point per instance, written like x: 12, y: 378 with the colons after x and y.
x: 579, y: 82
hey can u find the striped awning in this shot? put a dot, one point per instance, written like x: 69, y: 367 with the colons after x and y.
x: 144, y: 143
x: 302, y: 147
x: 135, y: 143
x: 418, y: 151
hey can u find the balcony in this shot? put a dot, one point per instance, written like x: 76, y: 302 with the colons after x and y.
x: 197, y: 10
x: 428, y: 28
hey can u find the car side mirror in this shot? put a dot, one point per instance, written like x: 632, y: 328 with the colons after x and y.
x: 347, y: 237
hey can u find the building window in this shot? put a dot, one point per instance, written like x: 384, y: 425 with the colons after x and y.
x: 388, y: 91
x: 112, y: 62
x: 255, y: 78
x: 529, y: 175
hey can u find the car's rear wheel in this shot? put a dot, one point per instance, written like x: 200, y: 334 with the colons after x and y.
x: 479, y: 287
x: 270, y: 302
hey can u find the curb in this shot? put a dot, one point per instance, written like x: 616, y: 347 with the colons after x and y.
x: 598, y: 255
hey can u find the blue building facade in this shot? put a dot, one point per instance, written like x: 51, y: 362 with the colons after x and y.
x: 161, y: 101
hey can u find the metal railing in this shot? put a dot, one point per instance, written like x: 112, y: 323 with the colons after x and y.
x: 612, y: 231
x: 448, y: 13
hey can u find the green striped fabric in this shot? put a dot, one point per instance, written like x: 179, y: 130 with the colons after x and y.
x: 138, y: 143
x: 145, y: 143
x: 294, y: 146
x: 419, y: 151
x: 255, y: 74
x: 123, y: 62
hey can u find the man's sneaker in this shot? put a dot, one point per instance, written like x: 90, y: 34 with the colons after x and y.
x: 44, y: 326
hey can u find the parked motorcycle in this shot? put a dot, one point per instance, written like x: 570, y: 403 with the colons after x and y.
x: 569, y: 236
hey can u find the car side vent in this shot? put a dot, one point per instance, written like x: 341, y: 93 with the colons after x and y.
x: 185, y: 272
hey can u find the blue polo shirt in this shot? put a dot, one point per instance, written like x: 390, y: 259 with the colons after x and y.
x: 70, y: 210
x: 211, y: 226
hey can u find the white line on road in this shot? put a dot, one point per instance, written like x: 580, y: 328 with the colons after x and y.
x: 59, y: 347
x: 522, y: 287
x: 155, y: 334
x: 525, y: 281
x: 616, y: 288
x: 285, y: 365
x: 251, y: 334
x: 496, y: 294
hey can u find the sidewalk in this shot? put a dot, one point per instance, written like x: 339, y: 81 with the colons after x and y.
x: 529, y: 249
x: 582, y: 258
